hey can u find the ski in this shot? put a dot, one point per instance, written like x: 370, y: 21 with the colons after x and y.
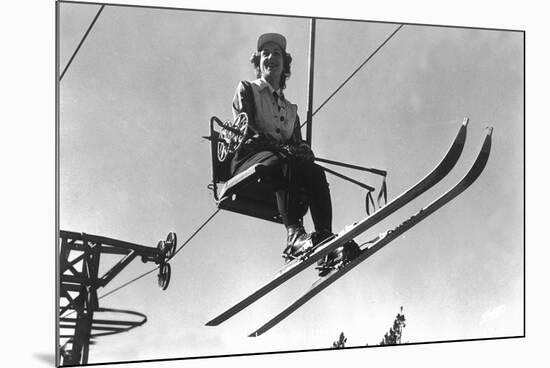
x: 296, y: 266
x: 323, y: 282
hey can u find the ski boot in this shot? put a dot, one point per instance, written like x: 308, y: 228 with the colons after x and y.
x: 321, y: 236
x: 338, y: 258
x: 298, y: 242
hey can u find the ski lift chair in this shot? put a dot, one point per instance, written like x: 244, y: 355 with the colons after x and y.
x: 249, y: 192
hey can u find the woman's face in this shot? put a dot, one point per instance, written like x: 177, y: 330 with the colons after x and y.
x: 271, y: 62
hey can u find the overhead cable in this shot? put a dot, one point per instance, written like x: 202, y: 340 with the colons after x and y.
x: 355, y: 72
x: 81, y: 42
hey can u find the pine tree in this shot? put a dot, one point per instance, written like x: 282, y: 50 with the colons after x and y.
x: 393, y: 336
x: 340, y: 343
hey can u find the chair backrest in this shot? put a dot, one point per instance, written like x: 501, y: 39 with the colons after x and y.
x: 221, y: 159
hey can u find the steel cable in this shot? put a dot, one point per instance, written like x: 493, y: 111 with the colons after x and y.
x: 355, y: 72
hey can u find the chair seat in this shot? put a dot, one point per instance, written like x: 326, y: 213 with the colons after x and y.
x: 243, y: 178
x: 246, y: 193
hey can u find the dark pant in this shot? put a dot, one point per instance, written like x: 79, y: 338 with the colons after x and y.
x: 294, y: 182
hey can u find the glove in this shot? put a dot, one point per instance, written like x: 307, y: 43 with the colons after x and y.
x: 300, y: 151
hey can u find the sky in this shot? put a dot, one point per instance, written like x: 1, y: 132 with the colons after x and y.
x: 137, y: 99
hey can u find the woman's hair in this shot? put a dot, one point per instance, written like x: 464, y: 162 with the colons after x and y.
x: 287, y: 59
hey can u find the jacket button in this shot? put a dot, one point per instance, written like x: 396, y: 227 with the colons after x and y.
x: 277, y: 130
x: 282, y: 118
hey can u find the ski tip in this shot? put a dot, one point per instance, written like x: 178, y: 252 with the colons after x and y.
x: 254, y: 334
x: 487, y: 142
x: 465, y: 121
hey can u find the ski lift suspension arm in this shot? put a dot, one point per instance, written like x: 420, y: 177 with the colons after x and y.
x: 311, y: 63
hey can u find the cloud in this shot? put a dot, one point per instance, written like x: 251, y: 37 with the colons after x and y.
x: 493, y: 314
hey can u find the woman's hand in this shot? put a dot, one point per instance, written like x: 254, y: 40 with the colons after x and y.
x: 300, y: 151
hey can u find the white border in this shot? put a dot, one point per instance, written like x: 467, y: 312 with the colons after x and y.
x: 27, y: 151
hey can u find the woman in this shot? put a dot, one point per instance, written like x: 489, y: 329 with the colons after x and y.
x: 274, y: 138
